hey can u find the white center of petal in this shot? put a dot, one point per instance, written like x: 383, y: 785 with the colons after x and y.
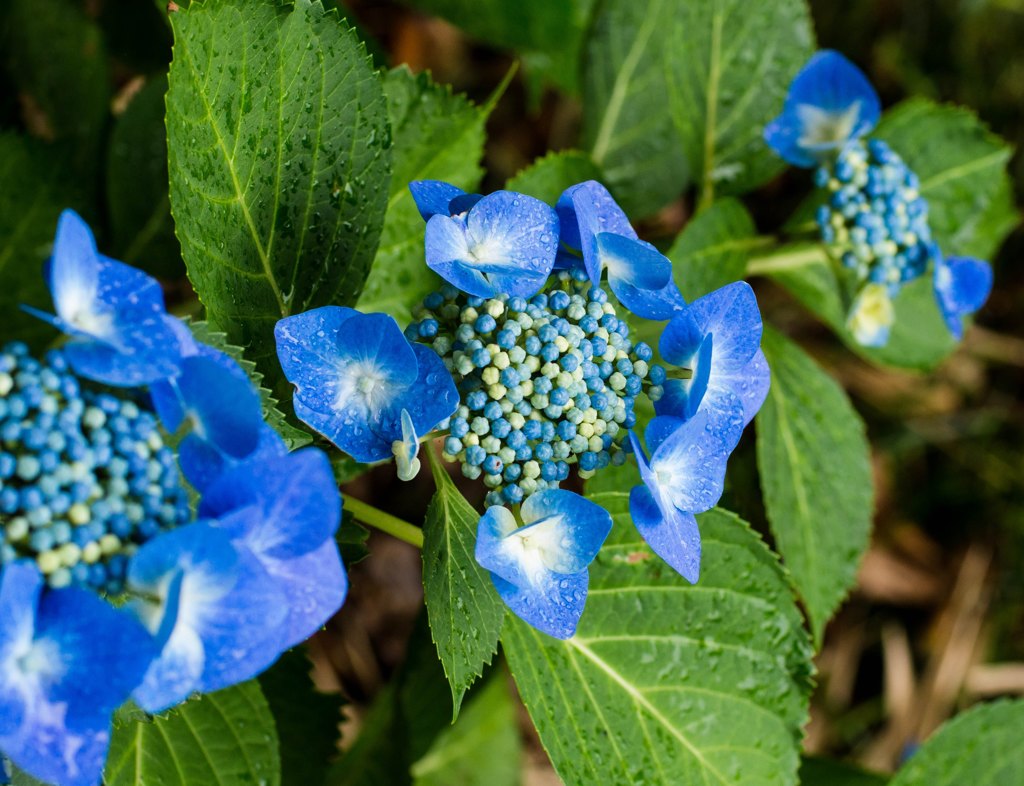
x: 362, y: 383
x: 824, y: 128
x: 42, y: 660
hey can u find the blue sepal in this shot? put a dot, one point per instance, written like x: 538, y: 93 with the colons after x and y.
x: 961, y: 286
x: 830, y: 102
x: 586, y: 210
x: 506, y: 243
x: 553, y: 607
x: 672, y: 534
x: 432, y: 197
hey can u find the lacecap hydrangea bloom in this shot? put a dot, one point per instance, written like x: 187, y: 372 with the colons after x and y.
x: 110, y: 586
x: 874, y: 220
x: 522, y: 363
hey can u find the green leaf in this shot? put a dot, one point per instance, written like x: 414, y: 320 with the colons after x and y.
x: 225, y: 738
x: 436, y: 135
x: 962, y: 168
x: 713, y: 248
x: 667, y: 682
x: 293, y: 437
x: 137, y: 183
x: 279, y: 159
x: 30, y: 202
x: 815, y: 469
x: 307, y: 721
x: 825, y: 772
x: 678, y: 93
x: 22, y: 778
x: 403, y: 722
x: 980, y: 747
x: 548, y: 176
x: 351, y: 538
x: 547, y: 35
x: 464, y: 609
x: 482, y: 748
x: 54, y: 55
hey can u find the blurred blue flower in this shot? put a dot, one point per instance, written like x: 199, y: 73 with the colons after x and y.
x: 113, y: 312
x: 285, y: 511
x: 830, y: 102
x: 718, y: 338
x: 67, y: 660
x: 504, y: 243
x: 961, y: 285
x: 594, y: 228
x: 354, y: 374
x: 685, y: 475
x: 871, y: 316
x: 217, y: 616
x: 540, y: 569
x: 435, y: 197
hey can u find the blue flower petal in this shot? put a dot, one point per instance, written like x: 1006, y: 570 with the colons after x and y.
x: 672, y: 534
x: 314, y: 586
x: 829, y: 103
x: 431, y: 399
x: 633, y: 262
x: 732, y: 316
x: 961, y: 286
x: 749, y: 384
x: 584, y: 211
x: 492, y: 549
x: 295, y: 496
x: 202, y: 464
x: 57, y: 660
x: 681, y: 339
x: 657, y: 304
x: 565, y: 528
x: 553, y: 606
x: 432, y: 197
x: 688, y: 466
x: 463, y: 203
x: 218, y: 616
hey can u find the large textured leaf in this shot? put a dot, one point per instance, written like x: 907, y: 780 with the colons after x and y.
x: 140, y: 210
x: 403, y: 722
x: 436, y: 135
x: 464, y: 609
x: 225, y: 738
x: 678, y: 92
x: 814, y: 463
x: 306, y: 720
x: 980, y: 747
x: 482, y: 748
x: 279, y: 160
x: 712, y: 249
x: 546, y: 34
x: 30, y: 202
x: 667, y: 682
x: 547, y: 177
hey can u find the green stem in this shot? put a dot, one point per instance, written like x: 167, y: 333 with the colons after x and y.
x: 787, y: 258
x: 385, y: 522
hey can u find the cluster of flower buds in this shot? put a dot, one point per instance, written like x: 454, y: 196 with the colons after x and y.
x: 106, y: 579
x: 523, y: 364
x: 874, y: 219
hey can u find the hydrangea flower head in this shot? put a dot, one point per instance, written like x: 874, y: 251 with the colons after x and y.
x: 85, y: 477
x: 355, y: 373
x: 961, y: 286
x: 685, y: 475
x: 540, y: 569
x: 113, y: 312
x: 596, y: 232
x: 717, y: 338
x: 503, y: 243
x: 830, y: 103
x: 545, y: 383
x: 55, y: 709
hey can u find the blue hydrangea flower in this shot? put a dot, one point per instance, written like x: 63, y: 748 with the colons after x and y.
x: 67, y: 661
x: 85, y: 477
x: 961, y: 285
x: 504, y: 243
x: 546, y: 383
x: 285, y: 511
x: 830, y: 102
x: 435, y: 197
x: 113, y: 312
x: 217, y: 616
x: 594, y: 228
x: 685, y: 475
x: 540, y: 569
x: 354, y: 374
x: 718, y: 338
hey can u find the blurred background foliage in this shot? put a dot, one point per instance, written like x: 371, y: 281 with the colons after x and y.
x: 937, y: 620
